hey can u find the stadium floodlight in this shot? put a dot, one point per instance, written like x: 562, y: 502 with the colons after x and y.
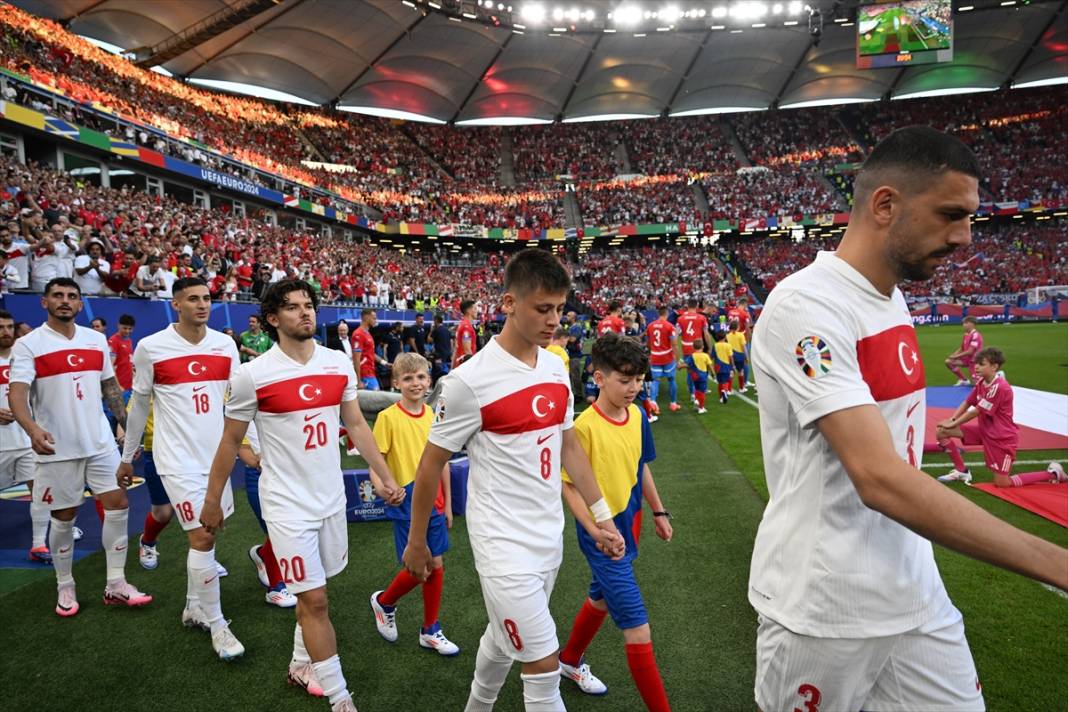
x: 534, y: 13
x: 558, y: 13
x: 669, y: 13
x: 795, y: 8
x: 719, y: 12
x: 628, y: 15
x: 776, y: 9
x: 574, y: 14
x: 589, y: 15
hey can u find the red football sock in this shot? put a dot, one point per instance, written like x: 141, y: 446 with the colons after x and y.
x: 955, y: 370
x: 952, y: 447
x: 587, y: 623
x: 642, y: 664
x: 402, y: 583
x: 741, y: 381
x: 1029, y: 478
x: 432, y: 596
x: 700, y: 398
x: 274, y: 574
x: 153, y: 527
x: 99, y: 509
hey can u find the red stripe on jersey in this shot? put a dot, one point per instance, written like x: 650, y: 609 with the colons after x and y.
x: 195, y: 368
x: 533, y: 408
x: 890, y: 363
x: 303, y: 393
x: 68, y: 361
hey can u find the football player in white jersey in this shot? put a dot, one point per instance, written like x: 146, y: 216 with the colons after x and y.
x: 181, y: 373
x: 66, y: 370
x: 511, y: 405
x: 16, y: 455
x: 853, y: 612
x: 295, y: 392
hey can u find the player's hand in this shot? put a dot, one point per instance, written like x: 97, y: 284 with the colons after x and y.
x: 946, y: 424
x: 120, y: 435
x: 448, y: 518
x: 417, y: 560
x: 610, y: 541
x: 211, y: 516
x: 124, y: 475
x: 663, y: 527
x: 42, y: 442
x: 6, y: 417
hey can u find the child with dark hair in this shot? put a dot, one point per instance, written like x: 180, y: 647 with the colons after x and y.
x: 991, y: 402
x: 724, y: 358
x: 619, y: 442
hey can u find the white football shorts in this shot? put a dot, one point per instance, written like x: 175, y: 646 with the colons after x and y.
x: 929, y: 668
x: 187, y: 492
x: 16, y: 466
x: 310, y: 552
x: 60, y: 484
x: 519, y: 618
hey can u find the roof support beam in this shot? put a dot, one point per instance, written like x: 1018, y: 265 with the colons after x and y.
x: 406, y: 34
x: 481, y: 78
x: 793, y: 73
x: 1034, y: 44
x: 689, y: 68
x: 578, y: 78
x: 227, y: 48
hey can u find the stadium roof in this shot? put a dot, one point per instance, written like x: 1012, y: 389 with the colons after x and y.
x: 412, y: 57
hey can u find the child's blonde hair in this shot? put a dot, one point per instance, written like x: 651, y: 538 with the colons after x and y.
x: 409, y: 362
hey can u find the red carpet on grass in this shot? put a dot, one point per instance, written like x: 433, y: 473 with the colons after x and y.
x: 1030, y: 438
x: 1045, y: 500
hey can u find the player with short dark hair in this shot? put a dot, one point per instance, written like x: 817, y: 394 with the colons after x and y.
x: 662, y: 338
x: 298, y: 393
x: 64, y: 368
x: 693, y: 327
x: 960, y: 361
x: 99, y: 323
x: 181, y: 374
x: 991, y: 402
x: 511, y: 406
x: 619, y: 443
x: 121, y: 346
x: 853, y: 612
x: 613, y: 320
x: 466, y: 339
x: 363, y: 350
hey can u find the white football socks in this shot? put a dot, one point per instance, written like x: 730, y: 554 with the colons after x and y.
x: 115, y: 540
x: 300, y: 653
x: 61, y: 542
x: 39, y: 516
x: 200, y: 566
x: 541, y: 692
x: 328, y: 673
x: 491, y: 670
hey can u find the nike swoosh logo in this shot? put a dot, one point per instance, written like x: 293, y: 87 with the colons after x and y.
x: 197, y: 389
x: 121, y: 548
x: 207, y: 581
x: 309, y: 417
x: 912, y: 408
x: 64, y: 551
x: 76, y: 378
x: 543, y: 439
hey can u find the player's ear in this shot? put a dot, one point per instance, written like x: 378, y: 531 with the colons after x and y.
x: 508, y: 303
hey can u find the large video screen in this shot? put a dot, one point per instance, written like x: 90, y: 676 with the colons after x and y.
x: 908, y: 32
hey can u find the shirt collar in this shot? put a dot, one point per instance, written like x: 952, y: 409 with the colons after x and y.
x: 832, y: 261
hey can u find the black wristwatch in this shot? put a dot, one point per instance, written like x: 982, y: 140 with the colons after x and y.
x: 663, y: 514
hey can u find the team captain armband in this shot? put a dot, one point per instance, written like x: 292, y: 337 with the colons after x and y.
x: 600, y: 511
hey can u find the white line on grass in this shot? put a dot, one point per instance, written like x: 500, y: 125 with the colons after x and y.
x: 745, y: 399
x: 1056, y: 590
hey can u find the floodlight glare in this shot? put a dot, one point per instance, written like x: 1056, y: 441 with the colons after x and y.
x: 669, y: 13
x: 628, y: 15
x: 558, y: 14
x: 533, y: 13
x: 719, y: 12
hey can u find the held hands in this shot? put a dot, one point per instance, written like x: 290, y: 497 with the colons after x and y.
x: 417, y: 560
x: 609, y: 541
x: 391, y: 492
x: 124, y: 475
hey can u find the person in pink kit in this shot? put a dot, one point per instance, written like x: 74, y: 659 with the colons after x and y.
x: 964, y: 357
x: 991, y: 403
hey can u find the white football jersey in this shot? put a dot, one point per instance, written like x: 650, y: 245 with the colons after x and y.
x: 187, y: 383
x: 12, y: 436
x: 824, y: 564
x: 511, y: 417
x: 296, y: 408
x: 64, y: 376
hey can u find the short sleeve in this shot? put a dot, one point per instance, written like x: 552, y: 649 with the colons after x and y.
x: 383, y: 432
x: 353, y: 384
x: 810, y: 350
x: 648, y: 446
x: 108, y: 371
x: 569, y: 416
x: 22, y: 366
x: 143, y: 371
x: 582, y: 432
x: 241, y: 403
x: 235, y: 357
x: 81, y: 261
x: 457, y: 415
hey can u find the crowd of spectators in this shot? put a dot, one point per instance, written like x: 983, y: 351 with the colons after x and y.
x: 761, y: 192
x: 795, y: 139
x: 1018, y: 135
x: 472, y: 156
x: 660, y: 199
x: 678, y: 146
x: 582, y: 150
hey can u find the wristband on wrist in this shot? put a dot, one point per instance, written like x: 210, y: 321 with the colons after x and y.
x: 600, y: 511
x: 665, y: 513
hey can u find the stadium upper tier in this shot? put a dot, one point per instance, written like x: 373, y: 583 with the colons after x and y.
x: 678, y: 170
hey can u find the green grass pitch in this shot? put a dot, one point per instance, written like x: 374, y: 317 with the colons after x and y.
x: 710, y: 475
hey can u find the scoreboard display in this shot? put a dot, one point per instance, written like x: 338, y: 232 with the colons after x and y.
x: 901, y: 33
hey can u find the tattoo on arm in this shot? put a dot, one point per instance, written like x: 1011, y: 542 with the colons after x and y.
x: 113, y: 396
